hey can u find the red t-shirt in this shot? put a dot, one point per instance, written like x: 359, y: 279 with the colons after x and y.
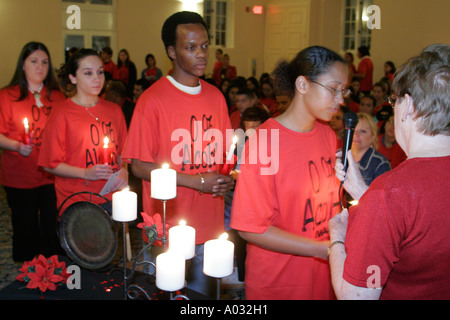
x: 235, y: 119
x: 218, y: 74
x: 394, y: 154
x: 162, y: 112
x: 74, y: 137
x: 365, y: 66
x: 400, y: 228
x: 123, y: 74
x: 17, y: 171
x: 270, y: 103
x: 154, y: 72
x: 299, y: 198
x: 111, y: 67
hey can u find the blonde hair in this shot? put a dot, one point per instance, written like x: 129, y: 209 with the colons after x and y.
x: 372, y: 125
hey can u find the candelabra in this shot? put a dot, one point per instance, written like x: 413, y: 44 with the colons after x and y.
x: 170, y: 266
x: 132, y: 291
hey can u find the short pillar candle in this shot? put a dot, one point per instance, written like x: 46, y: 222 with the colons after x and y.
x: 218, y: 257
x: 124, y: 205
x: 170, y: 271
x: 182, y: 239
x: 163, y: 183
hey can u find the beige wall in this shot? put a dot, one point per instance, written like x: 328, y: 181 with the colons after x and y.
x: 407, y: 26
x: 22, y: 21
x: 139, y: 30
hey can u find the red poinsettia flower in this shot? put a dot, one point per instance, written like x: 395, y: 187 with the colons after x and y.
x: 44, y: 278
x: 149, y: 222
x: 60, y: 267
x: 43, y: 273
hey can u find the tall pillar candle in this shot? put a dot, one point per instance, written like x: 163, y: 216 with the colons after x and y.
x: 170, y: 271
x: 124, y: 205
x: 163, y: 183
x: 218, y: 257
x: 182, y: 239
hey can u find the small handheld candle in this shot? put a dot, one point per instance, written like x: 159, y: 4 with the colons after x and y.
x: 232, y: 148
x: 106, y: 152
x: 26, y: 135
x: 26, y: 125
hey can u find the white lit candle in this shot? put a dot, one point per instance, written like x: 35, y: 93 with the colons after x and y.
x: 26, y: 126
x: 182, y: 239
x: 163, y: 183
x: 232, y: 148
x: 218, y: 257
x: 124, y: 205
x: 170, y: 268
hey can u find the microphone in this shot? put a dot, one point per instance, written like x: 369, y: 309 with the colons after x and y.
x: 350, y: 120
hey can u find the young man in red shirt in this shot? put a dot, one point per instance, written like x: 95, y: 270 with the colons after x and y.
x: 183, y: 103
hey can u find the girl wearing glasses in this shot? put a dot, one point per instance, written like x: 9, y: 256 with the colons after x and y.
x: 283, y: 214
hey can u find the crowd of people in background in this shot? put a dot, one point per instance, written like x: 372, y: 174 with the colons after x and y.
x: 250, y: 102
x: 100, y: 96
x: 241, y: 93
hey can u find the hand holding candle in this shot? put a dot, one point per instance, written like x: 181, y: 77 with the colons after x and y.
x: 163, y: 183
x: 182, y: 239
x: 218, y: 257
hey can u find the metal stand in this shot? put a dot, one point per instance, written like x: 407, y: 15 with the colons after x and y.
x: 163, y: 237
x: 132, y: 291
x: 218, y: 288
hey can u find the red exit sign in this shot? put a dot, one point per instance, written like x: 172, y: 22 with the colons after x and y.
x: 257, y: 9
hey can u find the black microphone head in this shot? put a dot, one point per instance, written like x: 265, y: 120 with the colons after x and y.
x: 350, y: 120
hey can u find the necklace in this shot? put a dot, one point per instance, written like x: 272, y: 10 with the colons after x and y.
x: 87, y: 109
x: 37, y: 96
x: 96, y: 118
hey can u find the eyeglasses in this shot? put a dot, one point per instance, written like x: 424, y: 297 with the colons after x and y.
x: 334, y: 92
x: 391, y: 100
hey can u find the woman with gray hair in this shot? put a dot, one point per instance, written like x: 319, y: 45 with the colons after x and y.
x: 394, y: 244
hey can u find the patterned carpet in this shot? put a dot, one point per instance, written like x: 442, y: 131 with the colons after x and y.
x: 8, y: 269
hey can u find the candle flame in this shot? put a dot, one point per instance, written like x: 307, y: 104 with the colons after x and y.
x: 224, y: 236
x: 25, y: 122
x: 182, y: 223
x: 105, y: 142
x: 165, y: 166
x: 354, y: 202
